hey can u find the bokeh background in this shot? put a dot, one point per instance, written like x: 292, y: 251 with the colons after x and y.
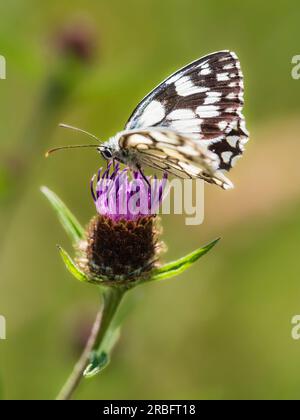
x: 223, y: 329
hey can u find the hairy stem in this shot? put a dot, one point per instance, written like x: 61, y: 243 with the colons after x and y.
x: 104, y: 318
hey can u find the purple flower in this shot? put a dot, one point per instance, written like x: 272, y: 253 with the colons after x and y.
x: 77, y: 39
x: 122, y: 196
x: 123, y: 241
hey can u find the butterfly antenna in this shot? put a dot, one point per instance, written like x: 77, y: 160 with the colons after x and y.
x: 70, y: 127
x: 56, y: 149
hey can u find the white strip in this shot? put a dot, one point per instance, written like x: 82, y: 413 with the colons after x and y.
x: 231, y: 95
x: 232, y: 140
x: 205, y: 72
x: 226, y: 156
x: 207, y: 111
x: 185, y: 87
x: 222, y: 125
x: 187, y: 126
x: 181, y: 114
x: 173, y: 79
x: 153, y: 114
x: 212, y: 98
x: 222, y: 77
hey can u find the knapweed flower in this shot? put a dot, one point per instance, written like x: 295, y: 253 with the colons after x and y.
x: 77, y: 39
x: 122, y: 242
x: 119, y: 250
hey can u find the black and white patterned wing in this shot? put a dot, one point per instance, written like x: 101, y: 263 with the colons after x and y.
x: 172, y: 152
x: 204, y: 101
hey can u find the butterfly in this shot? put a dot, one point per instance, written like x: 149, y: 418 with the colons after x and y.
x: 191, y: 125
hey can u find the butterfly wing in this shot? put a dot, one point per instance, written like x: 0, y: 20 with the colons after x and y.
x: 203, y: 101
x: 172, y: 152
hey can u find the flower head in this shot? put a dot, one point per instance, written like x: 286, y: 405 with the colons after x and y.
x: 122, y: 242
x: 119, y: 196
x: 77, y: 39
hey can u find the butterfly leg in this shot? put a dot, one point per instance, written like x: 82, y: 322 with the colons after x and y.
x: 143, y: 176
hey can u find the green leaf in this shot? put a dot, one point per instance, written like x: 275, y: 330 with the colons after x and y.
x: 67, y: 219
x: 71, y: 266
x: 98, y: 363
x: 100, y: 358
x: 177, y: 267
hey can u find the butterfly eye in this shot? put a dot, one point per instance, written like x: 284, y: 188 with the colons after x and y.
x: 107, y: 154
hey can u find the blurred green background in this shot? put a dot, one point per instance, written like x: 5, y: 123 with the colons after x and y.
x: 223, y: 329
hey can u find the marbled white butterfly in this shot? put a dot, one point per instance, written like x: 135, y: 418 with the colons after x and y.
x: 191, y: 125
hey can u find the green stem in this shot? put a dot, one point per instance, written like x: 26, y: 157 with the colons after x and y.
x: 111, y: 300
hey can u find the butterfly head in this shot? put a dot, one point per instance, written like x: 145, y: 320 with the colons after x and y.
x: 106, y: 152
x: 110, y: 150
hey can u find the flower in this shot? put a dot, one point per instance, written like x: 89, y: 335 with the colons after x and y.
x: 122, y: 241
x: 119, y: 250
x: 119, y: 196
x: 77, y: 39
